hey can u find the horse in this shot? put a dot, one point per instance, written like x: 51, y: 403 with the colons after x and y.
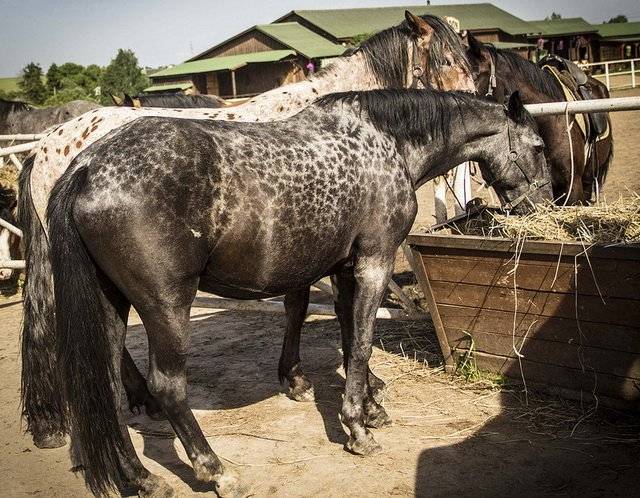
x: 18, y: 117
x: 9, y: 242
x: 170, y: 99
x: 573, y: 180
x: 418, y: 52
x: 164, y: 207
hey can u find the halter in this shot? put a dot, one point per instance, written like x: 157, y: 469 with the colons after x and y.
x: 492, y: 77
x: 418, y: 71
x: 533, y: 186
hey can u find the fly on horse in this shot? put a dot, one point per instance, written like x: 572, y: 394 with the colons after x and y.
x: 164, y: 207
x: 499, y: 72
x: 388, y: 59
x: 170, y: 99
x: 18, y: 117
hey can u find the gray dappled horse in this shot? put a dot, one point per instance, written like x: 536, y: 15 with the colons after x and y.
x: 18, y: 117
x: 592, y: 155
x: 163, y: 207
x: 420, y: 51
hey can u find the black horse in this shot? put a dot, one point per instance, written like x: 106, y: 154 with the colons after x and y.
x: 19, y: 117
x: 163, y: 207
x: 170, y: 99
x: 592, y: 156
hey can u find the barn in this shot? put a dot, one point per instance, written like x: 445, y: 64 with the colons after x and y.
x: 572, y: 38
x: 618, y: 41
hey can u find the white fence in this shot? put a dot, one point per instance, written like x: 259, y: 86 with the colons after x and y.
x: 617, y: 74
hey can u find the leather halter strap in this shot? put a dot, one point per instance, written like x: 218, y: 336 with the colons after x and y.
x: 417, y: 70
x: 492, y: 77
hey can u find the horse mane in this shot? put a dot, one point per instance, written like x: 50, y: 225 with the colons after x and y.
x: 9, y: 106
x: 387, y: 57
x: 179, y: 100
x: 411, y: 115
x: 540, y: 79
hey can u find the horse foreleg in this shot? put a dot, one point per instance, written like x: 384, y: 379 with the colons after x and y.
x: 295, y: 304
x: 343, y: 291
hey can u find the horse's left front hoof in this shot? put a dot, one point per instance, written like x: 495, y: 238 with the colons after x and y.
x: 365, y: 446
x: 228, y: 485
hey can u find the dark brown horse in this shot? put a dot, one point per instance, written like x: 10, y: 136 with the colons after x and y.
x: 573, y: 182
x: 171, y: 100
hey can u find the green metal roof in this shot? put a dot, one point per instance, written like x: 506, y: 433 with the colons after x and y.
x: 619, y: 30
x: 226, y: 63
x: 302, y: 40
x: 347, y: 23
x: 168, y: 87
x: 559, y: 27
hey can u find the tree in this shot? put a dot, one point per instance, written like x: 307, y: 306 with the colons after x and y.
x: 123, y: 75
x: 553, y: 17
x: 54, y: 78
x: 31, y: 84
x: 618, y: 19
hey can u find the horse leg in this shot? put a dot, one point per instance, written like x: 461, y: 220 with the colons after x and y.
x: 371, y: 275
x: 135, y: 387
x: 295, y: 304
x: 343, y: 290
x: 167, y: 325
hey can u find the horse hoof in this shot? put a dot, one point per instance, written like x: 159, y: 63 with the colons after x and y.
x: 155, y: 487
x: 304, y: 393
x: 364, y: 446
x: 49, y: 441
x: 228, y: 486
x: 378, y: 420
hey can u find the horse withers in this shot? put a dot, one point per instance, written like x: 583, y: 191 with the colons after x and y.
x: 388, y: 59
x: 164, y: 207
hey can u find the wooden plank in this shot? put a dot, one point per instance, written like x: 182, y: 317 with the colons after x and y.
x: 556, y: 330
x: 613, y: 278
x: 421, y: 242
x: 572, y: 355
x: 421, y: 275
x: 543, y: 373
x: 590, y: 308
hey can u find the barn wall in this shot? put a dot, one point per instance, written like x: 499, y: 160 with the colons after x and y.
x: 251, y: 42
x: 259, y: 78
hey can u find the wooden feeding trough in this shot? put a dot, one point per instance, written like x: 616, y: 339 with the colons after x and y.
x: 562, y: 317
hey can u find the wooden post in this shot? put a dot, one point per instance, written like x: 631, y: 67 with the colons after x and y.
x: 233, y: 83
x: 10, y: 227
x: 462, y: 187
x: 606, y: 75
x: 633, y: 74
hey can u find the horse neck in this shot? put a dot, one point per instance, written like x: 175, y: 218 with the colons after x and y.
x: 469, y: 139
x: 345, y: 74
x: 529, y: 93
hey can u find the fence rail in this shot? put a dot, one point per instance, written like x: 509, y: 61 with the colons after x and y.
x: 618, y: 76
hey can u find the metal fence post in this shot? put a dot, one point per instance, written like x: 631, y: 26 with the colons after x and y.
x: 633, y: 74
x: 606, y: 75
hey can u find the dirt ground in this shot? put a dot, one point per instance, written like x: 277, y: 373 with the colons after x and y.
x: 450, y: 436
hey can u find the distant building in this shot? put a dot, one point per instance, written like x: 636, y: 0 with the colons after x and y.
x: 572, y: 38
x: 618, y: 41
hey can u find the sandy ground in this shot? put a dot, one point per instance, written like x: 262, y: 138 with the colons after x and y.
x: 449, y: 437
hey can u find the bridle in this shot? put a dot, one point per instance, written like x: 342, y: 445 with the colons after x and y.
x: 533, y: 186
x: 493, y: 83
x: 417, y: 70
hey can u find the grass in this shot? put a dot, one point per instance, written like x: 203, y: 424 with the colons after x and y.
x: 9, y: 84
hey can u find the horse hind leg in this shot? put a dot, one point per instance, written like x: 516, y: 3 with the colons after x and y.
x: 136, y: 389
x: 300, y: 389
x: 167, y: 325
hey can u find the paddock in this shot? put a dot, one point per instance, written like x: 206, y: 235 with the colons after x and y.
x: 450, y: 435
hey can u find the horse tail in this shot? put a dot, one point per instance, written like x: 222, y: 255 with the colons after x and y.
x: 83, y: 344
x: 41, y: 393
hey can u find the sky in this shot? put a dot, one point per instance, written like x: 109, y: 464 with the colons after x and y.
x: 164, y: 32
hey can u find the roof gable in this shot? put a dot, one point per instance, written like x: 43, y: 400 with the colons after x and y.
x: 348, y: 23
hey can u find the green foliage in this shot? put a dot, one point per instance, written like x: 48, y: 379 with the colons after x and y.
x: 54, y: 78
x: 358, y: 39
x: 122, y: 75
x: 553, y: 17
x: 68, y: 94
x: 31, y: 84
x: 618, y: 19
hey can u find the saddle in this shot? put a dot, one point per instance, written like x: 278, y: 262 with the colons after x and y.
x: 582, y: 90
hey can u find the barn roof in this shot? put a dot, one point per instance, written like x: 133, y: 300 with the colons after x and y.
x: 561, y: 27
x: 168, y: 87
x: 302, y: 40
x: 621, y: 30
x: 344, y: 24
x: 226, y: 63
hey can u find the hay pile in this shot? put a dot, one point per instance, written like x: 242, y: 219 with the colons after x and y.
x: 604, y: 223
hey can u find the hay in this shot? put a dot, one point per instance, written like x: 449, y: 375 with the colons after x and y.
x: 9, y: 176
x: 604, y: 223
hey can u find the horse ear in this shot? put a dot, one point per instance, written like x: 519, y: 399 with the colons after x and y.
x: 419, y: 26
x: 116, y: 100
x: 475, y: 46
x: 515, y: 108
x: 128, y: 101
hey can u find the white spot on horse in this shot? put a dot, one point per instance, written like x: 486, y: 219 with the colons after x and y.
x: 195, y: 233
